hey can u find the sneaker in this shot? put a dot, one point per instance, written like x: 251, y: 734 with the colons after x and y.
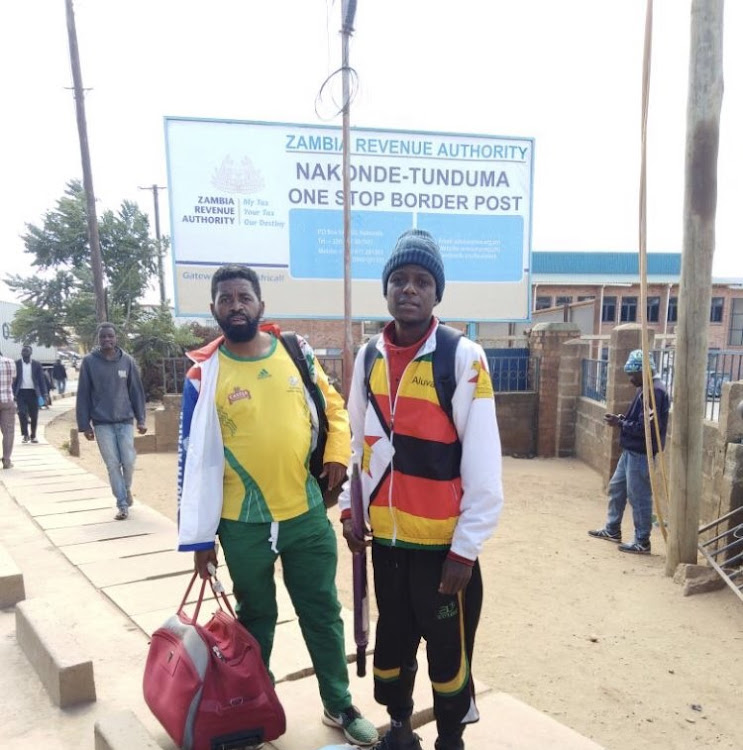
x: 25, y: 439
x: 34, y: 440
x: 388, y: 743
x: 357, y: 729
x: 636, y: 548
x: 122, y: 514
x: 604, y: 534
x: 129, y: 501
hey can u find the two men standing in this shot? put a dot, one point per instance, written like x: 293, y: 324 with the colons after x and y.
x: 248, y: 428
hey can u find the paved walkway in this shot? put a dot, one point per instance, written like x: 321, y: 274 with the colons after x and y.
x: 114, y: 582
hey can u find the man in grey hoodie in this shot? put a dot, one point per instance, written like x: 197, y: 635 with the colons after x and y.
x: 110, y: 396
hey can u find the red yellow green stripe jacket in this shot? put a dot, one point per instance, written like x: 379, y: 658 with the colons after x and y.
x: 427, y: 482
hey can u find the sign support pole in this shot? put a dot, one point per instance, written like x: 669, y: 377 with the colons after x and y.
x: 348, y: 9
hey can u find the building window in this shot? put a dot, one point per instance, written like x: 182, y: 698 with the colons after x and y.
x: 586, y: 297
x: 543, y: 303
x: 629, y: 310
x: 736, y: 323
x: 653, y: 313
x: 715, y: 310
x: 673, y: 310
x: 609, y: 310
x: 563, y: 301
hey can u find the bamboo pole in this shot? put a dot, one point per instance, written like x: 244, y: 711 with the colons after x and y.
x: 700, y: 205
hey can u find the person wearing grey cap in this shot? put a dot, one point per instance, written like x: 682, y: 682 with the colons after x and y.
x: 631, y: 478
x: 430, y: 462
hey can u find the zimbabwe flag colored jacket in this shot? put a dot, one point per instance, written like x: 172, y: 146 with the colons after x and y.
x: 428, y: 481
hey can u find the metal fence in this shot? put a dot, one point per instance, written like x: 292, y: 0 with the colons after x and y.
x: 513, y: 370
x: 594, y: 373
x: 173, y: 373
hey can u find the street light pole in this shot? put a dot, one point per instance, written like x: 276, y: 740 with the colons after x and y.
x: 160, y: 269
x: 82, y: 129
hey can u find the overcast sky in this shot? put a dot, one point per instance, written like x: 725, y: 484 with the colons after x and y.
x: 565, y: 73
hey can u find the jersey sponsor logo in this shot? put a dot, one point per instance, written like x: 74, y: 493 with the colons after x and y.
x: 238, y: 394
x: 417, y: 380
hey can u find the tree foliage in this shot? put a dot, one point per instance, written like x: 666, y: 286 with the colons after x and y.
x: 156, y: 340
x: 58, y: 297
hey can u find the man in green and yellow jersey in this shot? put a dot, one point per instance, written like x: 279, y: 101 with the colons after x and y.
x: 248, y: 428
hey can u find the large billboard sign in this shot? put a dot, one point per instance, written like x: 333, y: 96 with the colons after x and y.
x: 271, y: 195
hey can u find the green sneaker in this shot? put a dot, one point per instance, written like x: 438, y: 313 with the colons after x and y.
x: 356, y: 729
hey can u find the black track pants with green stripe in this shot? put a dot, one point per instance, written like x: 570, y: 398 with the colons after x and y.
x: 410, y: 607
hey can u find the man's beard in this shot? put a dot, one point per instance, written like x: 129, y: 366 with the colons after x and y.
x: 239, y: 332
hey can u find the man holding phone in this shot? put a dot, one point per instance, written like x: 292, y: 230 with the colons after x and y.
x: 631, y: 479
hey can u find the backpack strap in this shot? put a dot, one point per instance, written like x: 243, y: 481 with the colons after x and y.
x: 291, y: 344
x: 370, y: 356
x: 444, y: 361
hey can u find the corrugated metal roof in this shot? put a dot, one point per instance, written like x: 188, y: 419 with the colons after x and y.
x: 603, y: 264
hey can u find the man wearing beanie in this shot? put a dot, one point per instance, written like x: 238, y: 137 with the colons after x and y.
x: 631, y: 479
x: 430, y: 464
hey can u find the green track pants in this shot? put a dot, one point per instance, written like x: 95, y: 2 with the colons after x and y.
x: 309, y: 556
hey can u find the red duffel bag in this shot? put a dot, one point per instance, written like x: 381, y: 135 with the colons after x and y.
x: 207, y: 684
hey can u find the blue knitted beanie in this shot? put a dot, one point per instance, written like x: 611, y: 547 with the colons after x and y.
x: 418, y: 247
x: 634, y: 362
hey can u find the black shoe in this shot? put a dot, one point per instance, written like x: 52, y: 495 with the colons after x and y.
x: 389, y: 743
x: 34, y: 440
x: 449, y: 743
x: 25, y: 439
x: 636, y: 548
x: 604, y: 534
x: 7, y: 463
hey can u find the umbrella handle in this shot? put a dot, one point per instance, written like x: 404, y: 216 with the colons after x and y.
x: 361, y: 661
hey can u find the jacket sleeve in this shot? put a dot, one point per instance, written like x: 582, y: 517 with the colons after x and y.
x: 482, y: 485
x: 338, y: 445
x: 188, y: 402
x: 82, y: 400
x: 136, y: 393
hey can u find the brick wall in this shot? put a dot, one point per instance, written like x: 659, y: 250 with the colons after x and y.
x: 321, y: 334
x: 593, y: 437
x: 546, y: 341
x: 517, y: 423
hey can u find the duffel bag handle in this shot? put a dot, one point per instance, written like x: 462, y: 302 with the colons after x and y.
x: 217, y: 590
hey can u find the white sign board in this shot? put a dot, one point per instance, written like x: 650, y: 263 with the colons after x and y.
x: 270, y: 195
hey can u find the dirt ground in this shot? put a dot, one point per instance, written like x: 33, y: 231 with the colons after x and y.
x: 603, y: 642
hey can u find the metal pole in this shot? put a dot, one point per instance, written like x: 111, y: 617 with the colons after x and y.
x: 160, y: 270
x: 82, y: 129
x: 348, y: 10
